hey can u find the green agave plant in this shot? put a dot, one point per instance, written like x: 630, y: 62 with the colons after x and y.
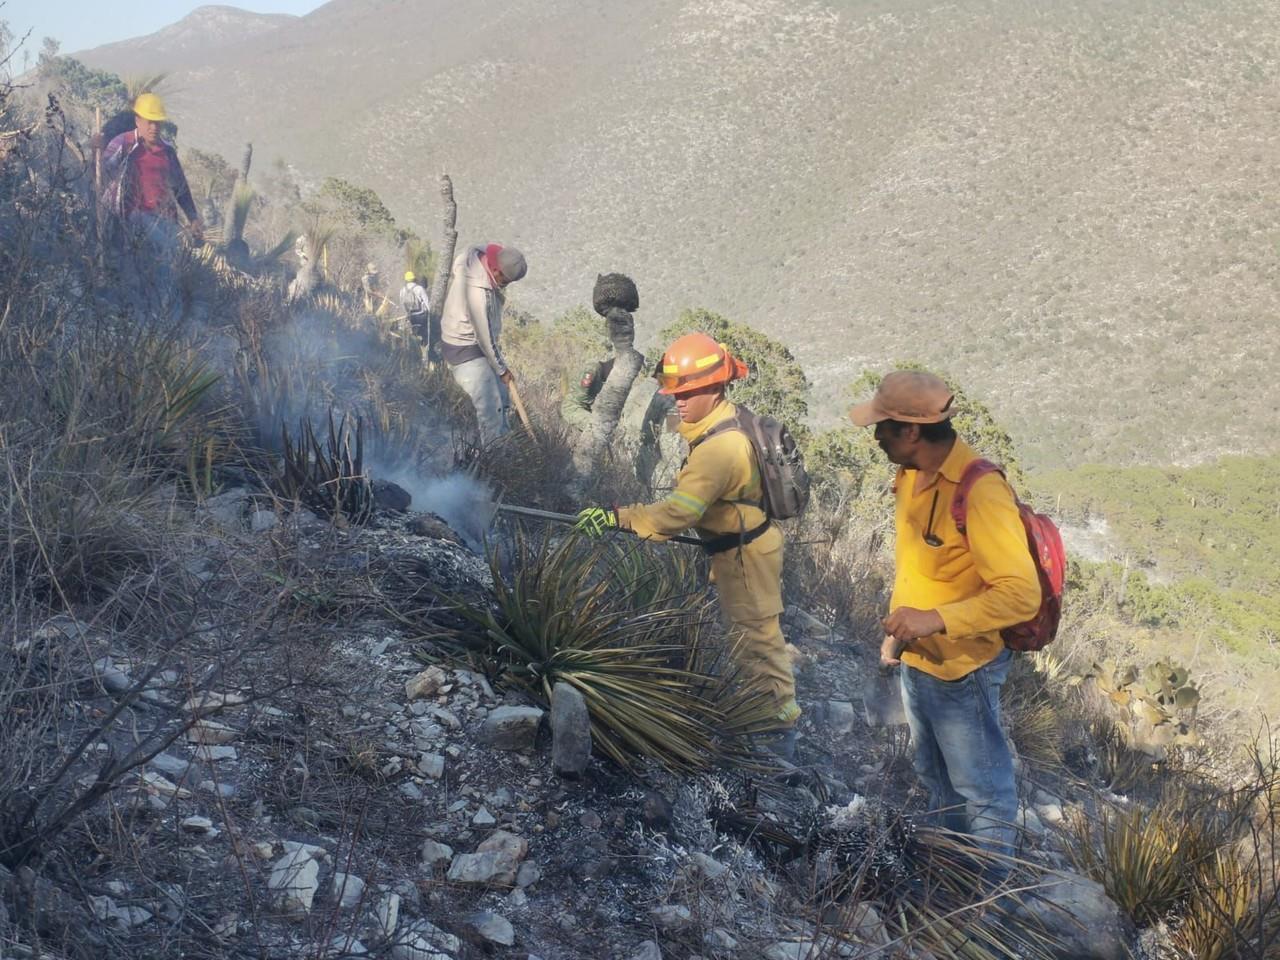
x: 654, y: 676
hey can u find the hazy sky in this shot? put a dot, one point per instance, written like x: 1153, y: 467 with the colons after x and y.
x: 80, y: 24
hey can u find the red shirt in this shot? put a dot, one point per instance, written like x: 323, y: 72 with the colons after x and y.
x: 152, y: 191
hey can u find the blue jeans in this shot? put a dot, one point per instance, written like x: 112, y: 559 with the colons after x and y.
x: 961, y: 752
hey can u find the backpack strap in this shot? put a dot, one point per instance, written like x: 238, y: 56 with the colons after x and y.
x: 728, y: 426
x: 974, y: 471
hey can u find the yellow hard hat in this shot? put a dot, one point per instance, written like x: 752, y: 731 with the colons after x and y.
x: 150, y: 107
x: 409, y: 277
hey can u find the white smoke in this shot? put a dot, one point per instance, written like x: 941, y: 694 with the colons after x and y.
x: 461, y: 500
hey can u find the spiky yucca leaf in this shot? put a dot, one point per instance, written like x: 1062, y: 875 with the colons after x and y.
x: 560, y: 619
x: 1220, y: 913
x: 241, y: 203
x: 1147, y: 858
x: 328, y: 478
x: 272, y: 255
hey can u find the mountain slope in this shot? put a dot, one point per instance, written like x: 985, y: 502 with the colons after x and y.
x: 1069, y: 207
x: 191, y: 38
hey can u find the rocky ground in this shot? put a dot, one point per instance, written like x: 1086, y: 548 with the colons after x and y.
x: 388, y: 806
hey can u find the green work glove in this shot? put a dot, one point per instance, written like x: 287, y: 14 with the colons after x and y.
x: 595, y: 522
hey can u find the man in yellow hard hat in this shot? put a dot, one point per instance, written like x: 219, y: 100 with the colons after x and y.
x: 417, y: 306
x: 719, y: 493
x: 145, y: 183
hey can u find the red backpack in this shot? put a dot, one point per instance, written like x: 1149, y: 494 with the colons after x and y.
x: 1045, y: 543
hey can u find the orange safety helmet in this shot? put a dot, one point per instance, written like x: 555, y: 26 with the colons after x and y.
x: 696, y: 361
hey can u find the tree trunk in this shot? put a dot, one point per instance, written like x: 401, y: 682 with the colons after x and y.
x: 607, y: 409
x: 444, y: 268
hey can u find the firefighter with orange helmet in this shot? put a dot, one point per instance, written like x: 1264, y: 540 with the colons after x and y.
x: 719, y: 494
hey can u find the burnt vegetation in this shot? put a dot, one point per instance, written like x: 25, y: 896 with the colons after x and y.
x: 250, y: 700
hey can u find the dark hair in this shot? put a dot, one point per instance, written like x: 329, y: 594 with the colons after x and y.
x: 939, y: 432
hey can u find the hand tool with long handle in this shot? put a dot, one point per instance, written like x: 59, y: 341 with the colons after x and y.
x: 571, y: 518
x: 524, y: 415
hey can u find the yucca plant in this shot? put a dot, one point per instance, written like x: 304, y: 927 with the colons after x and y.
x: 560, y: 619
x: 328, y: 477
x: 921, y: 880
x: 1219, y: 914
x: 1147, y: 857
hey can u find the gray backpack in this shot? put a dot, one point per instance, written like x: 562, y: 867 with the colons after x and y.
x: 783, y: 478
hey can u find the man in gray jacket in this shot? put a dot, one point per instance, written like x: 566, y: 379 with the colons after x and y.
x: 470, y: 326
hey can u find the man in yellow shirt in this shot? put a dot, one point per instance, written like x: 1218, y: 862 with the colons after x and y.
x: 952, y: 594
x: 719, y: 493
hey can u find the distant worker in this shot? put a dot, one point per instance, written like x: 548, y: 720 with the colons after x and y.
x: 145, y: 185
x: 470, y: 328
x: 719, y: 493
x: 953, y: 592
x: 417, y: 304
x: 577, y: 408
x: 371, y: 287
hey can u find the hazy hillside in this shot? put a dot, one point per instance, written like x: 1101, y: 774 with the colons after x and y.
x: 1070, y: 207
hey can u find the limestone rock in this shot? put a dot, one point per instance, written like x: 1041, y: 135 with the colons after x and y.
x: 512, y: 728
x: 435, y: 853
x: 425, y: 684
x: 483, y: 818
x: 792, y: 950
x: 349, y: 889
x: 431, y: 765
x: 210, y: 733
x: 295, y: 877
x: 492, y: 927
x: 504, y: 841
x: 570, y: 731
x: 387, y: 916
x: 1078, y: 915
x: 647, y: 951
x: 671, y: 917
x: 260, y: 521
x: 490, y: 868
x: 709, y: 867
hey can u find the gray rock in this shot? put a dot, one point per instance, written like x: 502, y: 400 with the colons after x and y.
x: 349, y: 889
x: 108, y: 911
x: 295, y: 877
x: 1049, y: 813
x: 1078, y: 917
x: 792, y: 950
x: 214, y: 754
x: 503, y: 841
x: 490, y: 868
x: 202, y: 825
x: 483, y: 818
x: 1031, y: 822
x: 425, y: 683
x: 434, y: 853
x: 210, y: 733
x: 260, y: 521
x: 528, y: 874
x: 170, y: 765
x: 433, y: 935
x: 570, y: 731
x: 841, y: 717
x: 647, y: 951
x: 709, y: 867
x: 431, y: 765
x: 414, y: 946
x: 226, y: 508
x: 671, y: 917
x: 719, y: 940
x: 346, y: 945
x: 512, y: 728
x: 492, y: 927
x: 387, y: 916
x: 411, y: 790
x: 111, y: 678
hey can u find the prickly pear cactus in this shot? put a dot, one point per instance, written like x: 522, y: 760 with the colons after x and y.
x: 1156, y: 705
